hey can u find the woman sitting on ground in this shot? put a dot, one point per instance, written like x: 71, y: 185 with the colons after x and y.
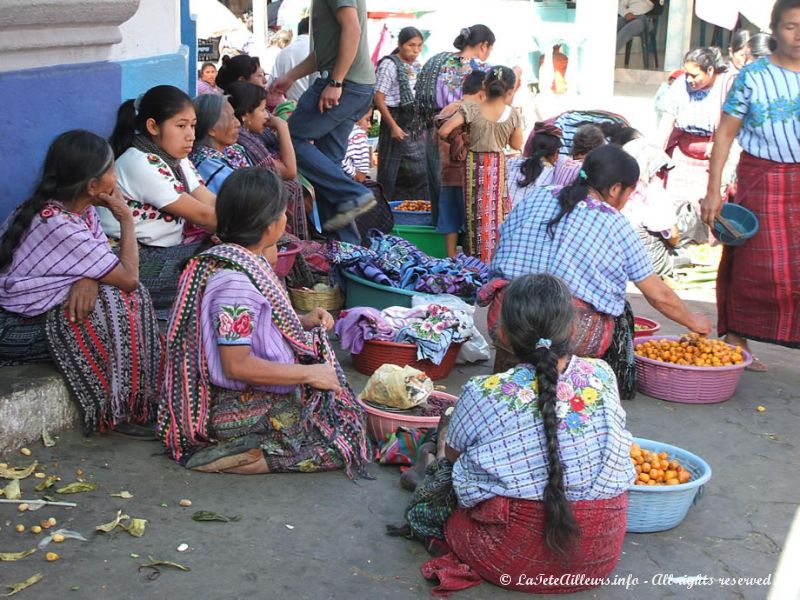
x: 587, y: 137
x: 249, y: 106
x: 536, y: 166
x: 578, y: 234
x: 172, y: 210
x: 540, y: 459
x: 57, y: 267
x: 263, y: 392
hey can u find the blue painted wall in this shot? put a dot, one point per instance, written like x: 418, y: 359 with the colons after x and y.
x: 139, y: 75
x: 189, y: 40
x: 39, y: 104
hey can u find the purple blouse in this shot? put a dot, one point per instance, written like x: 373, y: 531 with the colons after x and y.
x: 59, y: 248
x: 234, y: 313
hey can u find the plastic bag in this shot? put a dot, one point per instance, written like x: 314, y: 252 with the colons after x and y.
x: 397, y: 387
x: 476, y: 347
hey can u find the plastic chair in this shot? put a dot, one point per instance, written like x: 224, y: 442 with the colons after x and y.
x: 648, y: 42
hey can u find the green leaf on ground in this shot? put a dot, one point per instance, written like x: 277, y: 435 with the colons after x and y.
x: 165, y: 563
x: 123, y: 494
x: 47, y: 483
x: 18, y: 587
x: 135, y: 527
x: 108, y: 527
x: 21, y: 473
x: 12, y: 491
x: 77, y: 487
x: 48, y: 441
x: 207, y: 515
x: 10, y: 556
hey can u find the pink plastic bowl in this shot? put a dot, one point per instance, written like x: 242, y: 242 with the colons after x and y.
x: 380, y: 423
x: 690, y: 385
x: 286, y: 257
x: 649, y: 326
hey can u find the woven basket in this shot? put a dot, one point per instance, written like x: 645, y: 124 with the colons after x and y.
x: 650, y: 327
x: 378, y: 352
x: 661, y: 507
x: 306, y: 300
x: 689, y: 385
x: 380, y: 423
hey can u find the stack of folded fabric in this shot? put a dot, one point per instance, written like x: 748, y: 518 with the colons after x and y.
x: 395, y: 262
x: 432, y: 328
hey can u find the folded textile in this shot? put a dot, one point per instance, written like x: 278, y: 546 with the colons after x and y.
x: 362, y: 323
x: 395, y: 262
x: 434, y: 333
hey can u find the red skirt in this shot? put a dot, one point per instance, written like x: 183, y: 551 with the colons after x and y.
x: 502, y: 541
x: 758, y: 283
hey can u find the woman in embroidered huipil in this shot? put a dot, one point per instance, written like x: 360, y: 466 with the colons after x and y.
x: 758, y: 284
x: 57, y: 268
x: 539, y: 454
x: 262, y: 392
x: 172, y: 209
x: 401, y: 149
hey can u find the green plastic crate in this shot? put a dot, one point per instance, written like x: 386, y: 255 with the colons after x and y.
x: 361, y: 292
x: 423, y: 237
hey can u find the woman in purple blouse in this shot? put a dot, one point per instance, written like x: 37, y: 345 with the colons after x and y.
x: 56, y: 266
x: 250, y: 386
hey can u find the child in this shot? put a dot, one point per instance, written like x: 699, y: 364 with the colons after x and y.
x: 401, y: 170
x: 452, y: 153
x: 493, y: 125
x: 357, y: 161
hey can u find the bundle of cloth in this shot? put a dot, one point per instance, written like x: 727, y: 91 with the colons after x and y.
x: 392, y: 261
x: 431, y: 327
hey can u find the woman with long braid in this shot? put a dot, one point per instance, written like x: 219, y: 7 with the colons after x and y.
x: 540, y: 459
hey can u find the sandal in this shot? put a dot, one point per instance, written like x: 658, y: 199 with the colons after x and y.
x: 756, y: 366
x: 224, y: 455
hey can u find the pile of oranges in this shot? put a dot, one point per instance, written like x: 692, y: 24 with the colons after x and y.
x: 413, y: 206
x: 656, y: 469
x: 692, y: 350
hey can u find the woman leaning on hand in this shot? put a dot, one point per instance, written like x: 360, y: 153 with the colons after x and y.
x: 758, y: 284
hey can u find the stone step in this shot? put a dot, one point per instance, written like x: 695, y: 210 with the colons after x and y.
x: 33, y: 396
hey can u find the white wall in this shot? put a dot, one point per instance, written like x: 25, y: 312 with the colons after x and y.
x: 152, y: 31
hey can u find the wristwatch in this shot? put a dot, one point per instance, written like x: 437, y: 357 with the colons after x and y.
x: 333, y: 83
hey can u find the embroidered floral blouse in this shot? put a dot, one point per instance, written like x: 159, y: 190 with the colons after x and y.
x: 234, y: 313
x: 498, y: 429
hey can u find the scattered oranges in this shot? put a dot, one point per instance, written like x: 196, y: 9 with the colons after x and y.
x: 414, y: 206
x: 692, y: 350
x: 654, y: 468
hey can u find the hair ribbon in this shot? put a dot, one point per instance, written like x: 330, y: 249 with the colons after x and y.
x: 582, y: 175
x: 544, y: 343
x: 137, y: 104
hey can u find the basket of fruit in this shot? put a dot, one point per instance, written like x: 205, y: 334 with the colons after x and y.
x: 381, y: 422
x: 669, y: 480
x: 644, y: 327
x: 690, y: 368
x: 411, y: 212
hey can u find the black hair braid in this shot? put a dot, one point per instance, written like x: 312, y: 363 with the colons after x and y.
x: 560, y: 524
x: 568, y: 199
x: 125, y: 128
x: 23, y: 217
x: 530, y: 168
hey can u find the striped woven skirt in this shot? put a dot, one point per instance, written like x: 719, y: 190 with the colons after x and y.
x: 401, y: 164
x: 276, y: 419
x: 758, y: 283
x: 502, y: 541
x: 160, y: 270
x: 486, y: 202
x: 22, y: 340
x: 112, y: 360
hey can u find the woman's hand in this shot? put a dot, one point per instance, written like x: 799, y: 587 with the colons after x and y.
x: 319, y: 317
x: 277, y: 124
x: 710, y: 207
x: 398, y: 133
x: 82, y: 298
x: 322, y: 377
x: 115, y: 203
x: 700, y: 324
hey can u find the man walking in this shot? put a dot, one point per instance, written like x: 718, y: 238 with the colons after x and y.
x: 327, y: 111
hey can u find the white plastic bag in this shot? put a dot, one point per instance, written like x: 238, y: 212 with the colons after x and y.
x: 476, y: 347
